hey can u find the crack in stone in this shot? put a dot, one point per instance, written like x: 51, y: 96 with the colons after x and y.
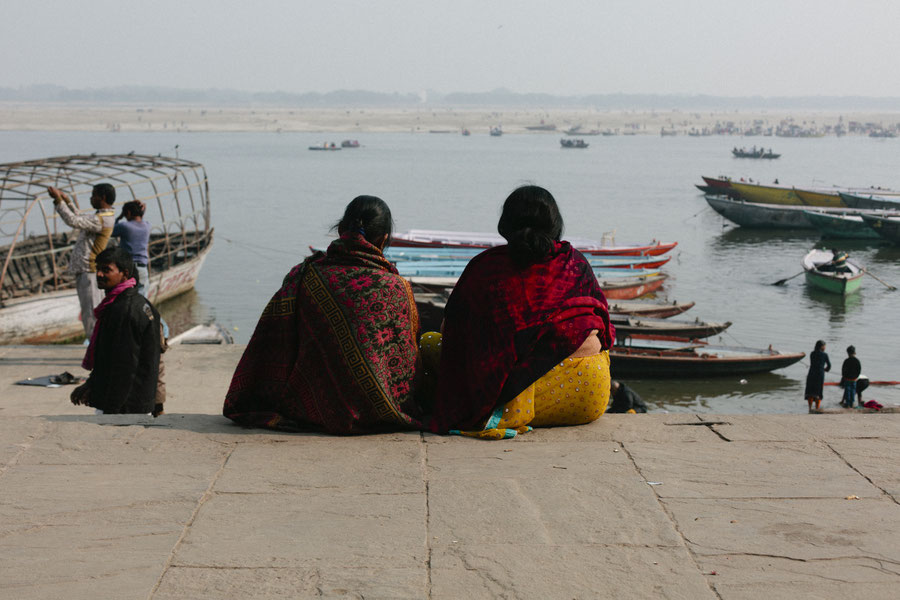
x: 187, y: 526
x: 671, y: 517
x: 427, y: 483
x: 24, y: 447
x: 861, y: 474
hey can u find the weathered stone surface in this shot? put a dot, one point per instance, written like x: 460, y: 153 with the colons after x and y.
x: 793, y: 529
x: 364, y: 529
x: 774, y: 428
x: 876, y: 459
x: 743, y: 577
x: 367, y: 465
x: 749, y: 470
x: 540, y: 571
x: 191, y: 506
x: 323, y: 581
x: 565, y: 493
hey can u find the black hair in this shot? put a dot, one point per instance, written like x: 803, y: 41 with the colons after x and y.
x: 368, y: 216
x: 107, y: 191
x: 530, y: 223
x: 121, y: 258
x: 134, y: 208
x: 851, y: 350
x: 819, y: 345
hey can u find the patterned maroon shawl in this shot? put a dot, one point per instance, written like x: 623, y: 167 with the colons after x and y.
x: 334, y: 350
x: 505, y: 327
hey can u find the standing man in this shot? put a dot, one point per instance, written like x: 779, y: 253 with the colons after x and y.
x: 93, y: 235
x: 850, y: 371
x: 123, y: 355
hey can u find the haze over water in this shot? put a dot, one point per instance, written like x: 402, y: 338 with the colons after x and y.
x: 272, y: 198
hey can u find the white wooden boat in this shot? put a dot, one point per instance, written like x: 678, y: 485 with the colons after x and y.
x: 38, y: 303
x: 436, y: 238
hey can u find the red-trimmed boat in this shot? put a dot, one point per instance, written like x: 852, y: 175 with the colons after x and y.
x: 433, y: 238
x: 654, y: 356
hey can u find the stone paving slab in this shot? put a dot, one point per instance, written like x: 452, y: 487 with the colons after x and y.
x: 743, y: 577
x: 749, y: 470
x: 794, y: 529
x: 537, y: 571
x: 190, y: 506
x: 325, y: 581
x: 878, y: 460
x: 301, y: 528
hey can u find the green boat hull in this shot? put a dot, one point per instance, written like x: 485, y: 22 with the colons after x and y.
x: 835, y: 285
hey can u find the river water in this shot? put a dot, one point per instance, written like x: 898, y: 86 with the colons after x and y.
x: 272, y: 198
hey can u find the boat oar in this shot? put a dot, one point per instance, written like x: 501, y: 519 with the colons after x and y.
x: 878, y: 279
x: 786, y: 279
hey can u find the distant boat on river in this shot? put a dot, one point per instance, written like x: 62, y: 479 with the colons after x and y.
x: 578, y: 143
x: 754, y: 153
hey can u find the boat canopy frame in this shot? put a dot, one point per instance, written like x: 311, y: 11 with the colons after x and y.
x: 35, y: 244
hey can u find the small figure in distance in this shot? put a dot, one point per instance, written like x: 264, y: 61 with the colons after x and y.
x: 123, y: 355
x: 625, y: 399
x: 93, y: 235
x: 850, y: 371
x: 819, y: 363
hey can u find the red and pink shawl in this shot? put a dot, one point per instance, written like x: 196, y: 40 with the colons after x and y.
x: 335, y: 349
x: 506, y: 326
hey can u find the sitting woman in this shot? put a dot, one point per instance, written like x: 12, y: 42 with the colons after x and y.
x: 526, y: 332
x: 335, y: 349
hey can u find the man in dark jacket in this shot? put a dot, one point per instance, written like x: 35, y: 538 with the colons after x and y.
x: 850, y: 371
x: 123, y: 354
x: 623, y: 399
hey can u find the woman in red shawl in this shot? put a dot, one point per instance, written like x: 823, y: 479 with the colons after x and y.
x: 335, y: 349
x: 526, y: 331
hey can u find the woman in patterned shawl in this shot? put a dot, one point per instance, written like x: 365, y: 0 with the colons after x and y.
x: 335, y: 349
x: 526, y: 332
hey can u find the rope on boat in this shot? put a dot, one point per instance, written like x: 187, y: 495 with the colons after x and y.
x: 251, y: 247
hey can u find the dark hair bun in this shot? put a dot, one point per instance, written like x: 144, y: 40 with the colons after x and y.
x: 530, y: 223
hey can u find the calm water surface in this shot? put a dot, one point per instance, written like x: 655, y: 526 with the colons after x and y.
x: 272, y: 199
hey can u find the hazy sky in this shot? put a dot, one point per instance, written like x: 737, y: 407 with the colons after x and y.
x: 723, y: 47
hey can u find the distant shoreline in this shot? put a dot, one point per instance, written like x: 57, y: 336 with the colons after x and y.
x: 17, y: 116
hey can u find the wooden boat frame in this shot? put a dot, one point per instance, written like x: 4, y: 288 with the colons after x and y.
x: 38, y: 303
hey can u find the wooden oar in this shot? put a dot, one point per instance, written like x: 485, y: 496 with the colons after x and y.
x: 786, y: 279
x: 866, y: 271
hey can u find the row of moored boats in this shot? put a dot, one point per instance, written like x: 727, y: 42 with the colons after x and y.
x: 844, y: 213
x: 649, y: 341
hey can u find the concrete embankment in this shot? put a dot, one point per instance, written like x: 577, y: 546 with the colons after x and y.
x: 632, y: 506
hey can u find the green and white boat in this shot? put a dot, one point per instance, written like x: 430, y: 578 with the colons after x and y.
x: 821, y: 274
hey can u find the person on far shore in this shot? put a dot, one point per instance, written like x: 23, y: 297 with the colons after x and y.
x: 123, y: 354
x: 850, y: 371
x: 526, y: 332
x: 93, y: 235
x: 819, y: 363
x: 336, y: 348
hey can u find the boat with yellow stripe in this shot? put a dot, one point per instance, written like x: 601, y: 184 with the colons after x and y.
x: 781, y: 194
